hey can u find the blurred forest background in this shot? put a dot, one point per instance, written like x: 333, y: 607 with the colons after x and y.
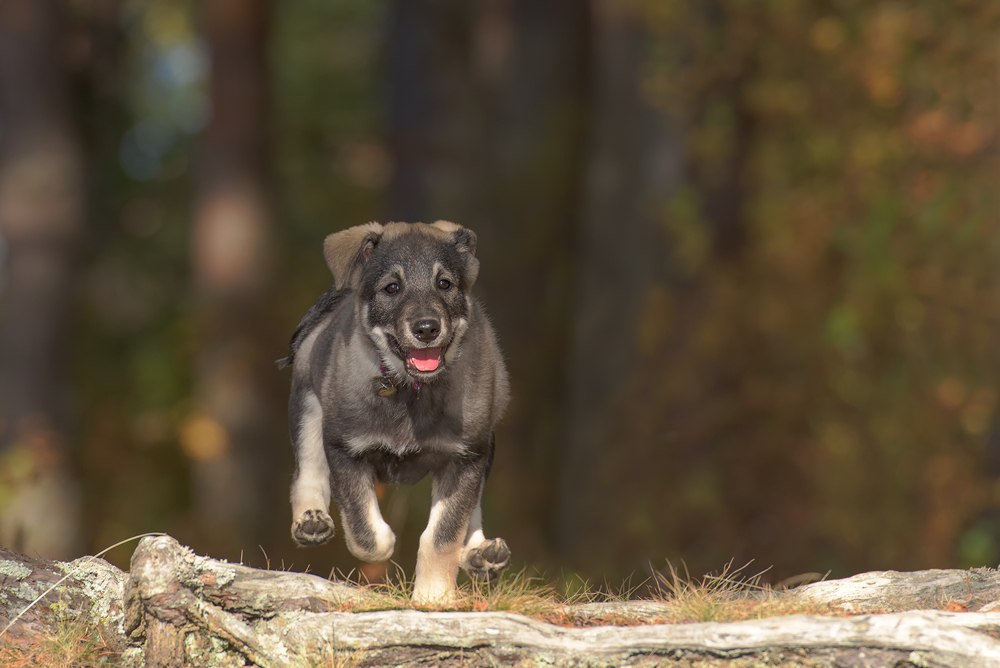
x: 743, y: 258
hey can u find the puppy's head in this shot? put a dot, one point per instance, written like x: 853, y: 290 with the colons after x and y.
x: 412, y: 283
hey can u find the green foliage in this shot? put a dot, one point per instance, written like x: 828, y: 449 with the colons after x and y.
x: 814, y: 374
x: 838, y: 385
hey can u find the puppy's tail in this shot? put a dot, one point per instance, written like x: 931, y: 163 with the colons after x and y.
x: 327, y: 301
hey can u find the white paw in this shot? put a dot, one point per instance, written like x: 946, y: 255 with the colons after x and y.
x: 428, y: 591
x: 381, y: 550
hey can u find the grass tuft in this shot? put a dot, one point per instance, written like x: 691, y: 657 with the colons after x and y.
x: 522, y: 592
x: 732, y: 594
x: 63, y: 645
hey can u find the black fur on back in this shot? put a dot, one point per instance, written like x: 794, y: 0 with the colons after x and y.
x: 327, y: 301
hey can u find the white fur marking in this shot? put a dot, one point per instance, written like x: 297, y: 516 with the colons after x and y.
x: 474, y: 537
x: 396, y: 366
x: 437, y: 568
x: 360, y: 444
x: 311, y: 487
x: 454, y: 348
x: 385, y: 539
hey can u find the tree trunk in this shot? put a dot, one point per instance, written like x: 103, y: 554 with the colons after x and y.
x: 177, y: 608
x: 487, y: 122
x: 41, y: 223
x: 533, y: 71
x: 633, y: 166
x: 232, y: 433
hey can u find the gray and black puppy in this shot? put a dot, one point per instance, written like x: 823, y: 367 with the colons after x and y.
x: 397, y: 374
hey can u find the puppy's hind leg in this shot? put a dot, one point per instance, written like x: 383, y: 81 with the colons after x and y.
x: 311, y: 521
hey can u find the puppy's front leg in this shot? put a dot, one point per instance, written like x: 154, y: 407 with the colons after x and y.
x: 483, y: 559
x: 456, y: 491
x: 368, y: 536
x: 311, y: 521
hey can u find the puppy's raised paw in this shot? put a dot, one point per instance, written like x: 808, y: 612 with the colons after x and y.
x: 313, y: 527
x: 488, y: 560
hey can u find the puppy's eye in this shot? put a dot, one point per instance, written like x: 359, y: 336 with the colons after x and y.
x: 391, y: 289
x: 443, y: 284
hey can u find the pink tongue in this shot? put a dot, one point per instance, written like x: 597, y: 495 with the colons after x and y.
x: 425, y: 359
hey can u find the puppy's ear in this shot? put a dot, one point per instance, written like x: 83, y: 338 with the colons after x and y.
x: 346, y: 251
x: 465, y: 242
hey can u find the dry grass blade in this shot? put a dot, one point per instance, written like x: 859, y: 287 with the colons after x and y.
x: 67, y: 644
x: 70, y: 573
x: 520, y: 592
x: 728, y: 596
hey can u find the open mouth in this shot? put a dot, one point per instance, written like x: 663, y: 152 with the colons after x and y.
x: 425, y: 360
x: 419, y: 360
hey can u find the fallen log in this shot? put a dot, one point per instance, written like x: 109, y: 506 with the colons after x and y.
x: 37, y: 595
x: 977, y: 589
x: 177, y: 608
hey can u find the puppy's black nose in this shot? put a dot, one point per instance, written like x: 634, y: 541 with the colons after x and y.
x: 426, y: 330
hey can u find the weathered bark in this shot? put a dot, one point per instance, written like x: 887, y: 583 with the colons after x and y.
x: 274, y: 618
x: 977, y: 589
x: 285, y: 618
x: 36, y: 595
x: 177, y: 608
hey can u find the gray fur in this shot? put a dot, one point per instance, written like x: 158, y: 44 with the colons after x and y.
x: 362, y: 336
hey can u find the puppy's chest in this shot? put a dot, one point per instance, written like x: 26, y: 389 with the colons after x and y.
x: 403, y: 425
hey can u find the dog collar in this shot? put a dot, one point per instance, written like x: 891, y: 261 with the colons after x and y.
x: 387, y: 384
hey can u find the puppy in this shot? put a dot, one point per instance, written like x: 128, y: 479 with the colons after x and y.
x: 396, y: 374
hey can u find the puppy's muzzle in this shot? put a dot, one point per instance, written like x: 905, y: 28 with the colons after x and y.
x: 426, y: 340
